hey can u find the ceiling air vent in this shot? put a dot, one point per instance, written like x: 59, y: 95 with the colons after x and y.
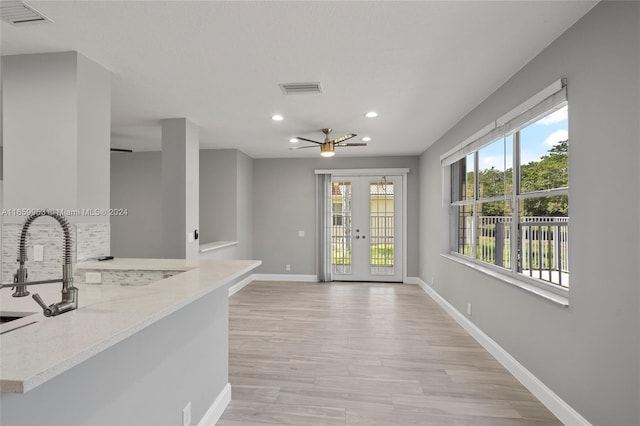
x: 300, y: 88
x: 16, y: 12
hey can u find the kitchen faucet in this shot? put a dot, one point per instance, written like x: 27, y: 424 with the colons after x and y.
x: 69, y: 292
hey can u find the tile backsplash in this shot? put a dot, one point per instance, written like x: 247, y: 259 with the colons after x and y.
x: 93, y: 240
x: 89, y: 240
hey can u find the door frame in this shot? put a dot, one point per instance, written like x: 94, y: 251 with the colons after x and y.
x: 402, y: 172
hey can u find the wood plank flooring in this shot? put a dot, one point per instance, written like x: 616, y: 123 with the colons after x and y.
x: 362, y: 354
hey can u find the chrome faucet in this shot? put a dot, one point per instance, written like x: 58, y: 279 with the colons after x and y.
x: 69, y: 292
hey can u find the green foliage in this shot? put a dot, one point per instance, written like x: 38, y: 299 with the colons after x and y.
x: 381, y: 255
x: 494, y: 182
x: 340, y: 256
x: 550, y: 172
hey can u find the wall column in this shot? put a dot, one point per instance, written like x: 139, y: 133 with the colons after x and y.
x: 180, y: 188
x: 56, y: 135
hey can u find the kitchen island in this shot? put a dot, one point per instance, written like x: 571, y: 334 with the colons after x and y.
x: 131, y: 354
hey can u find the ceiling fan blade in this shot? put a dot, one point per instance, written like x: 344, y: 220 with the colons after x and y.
x: 352, y: 144
x: 301, y: 147
x: 344, y: 138
x: 308, y: 140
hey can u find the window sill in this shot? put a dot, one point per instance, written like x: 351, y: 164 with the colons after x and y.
x: 545, y: 294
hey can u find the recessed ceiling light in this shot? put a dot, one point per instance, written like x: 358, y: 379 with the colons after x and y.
x: 366, y: 139
x: 371, y: 114
x: 294, y: 140
x: 277, y: 117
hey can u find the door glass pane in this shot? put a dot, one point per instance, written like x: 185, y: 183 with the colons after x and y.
x: 341, y: 228
x: 381, y: 244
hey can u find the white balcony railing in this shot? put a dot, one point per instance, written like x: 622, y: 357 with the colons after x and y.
x: 543, y: 246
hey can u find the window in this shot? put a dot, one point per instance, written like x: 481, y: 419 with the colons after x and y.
x: 509, y: 195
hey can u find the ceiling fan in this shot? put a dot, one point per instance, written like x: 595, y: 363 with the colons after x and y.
x: 327, y: 147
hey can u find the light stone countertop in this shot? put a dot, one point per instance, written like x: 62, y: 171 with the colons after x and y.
x: 107, y: 314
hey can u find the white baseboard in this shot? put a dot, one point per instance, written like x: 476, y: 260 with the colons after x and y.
x: 563, y: 411
x: 216, y: 409
x: 240, y: 285
x: 290, y: 277
x: 285, y: 277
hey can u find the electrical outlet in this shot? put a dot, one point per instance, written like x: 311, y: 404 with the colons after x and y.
x: 93, y: 277
x: 469, y: 309
x: 300, y: 233
x: 287, y: 268
x: 38, y: 253
x: 186, y: 415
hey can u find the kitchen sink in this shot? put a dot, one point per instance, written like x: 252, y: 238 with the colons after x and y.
x: 12, y: 316
x: 10, y: 321
x: 8, y: 318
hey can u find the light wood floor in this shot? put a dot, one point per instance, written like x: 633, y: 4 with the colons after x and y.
x: 362, y: 354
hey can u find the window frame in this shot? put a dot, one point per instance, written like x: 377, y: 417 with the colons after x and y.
x: 485, y: 137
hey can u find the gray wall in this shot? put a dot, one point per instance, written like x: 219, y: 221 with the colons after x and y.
x: 588, y: 353
x: 136, y: 185
x: 56, y: 134
x: 272, y: 199
x: 40, y: 104
x: 141, y: 380
x: 284, y: 203
x: 226, y: 199
x: 244, y: 205
x: 218, y: 188
x: 94, y: 137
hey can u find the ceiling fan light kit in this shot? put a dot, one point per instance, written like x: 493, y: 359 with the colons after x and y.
x: 327, y: 149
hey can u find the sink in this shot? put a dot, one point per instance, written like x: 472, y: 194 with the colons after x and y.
x: 10, y: 321
x: 8, y: 318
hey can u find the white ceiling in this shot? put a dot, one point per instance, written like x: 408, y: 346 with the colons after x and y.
x: 422, y: 65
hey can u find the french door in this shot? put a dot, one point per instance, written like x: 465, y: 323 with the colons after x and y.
x: 366, y: 228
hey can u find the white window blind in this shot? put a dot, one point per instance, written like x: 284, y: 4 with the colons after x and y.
x: 553, y: 97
